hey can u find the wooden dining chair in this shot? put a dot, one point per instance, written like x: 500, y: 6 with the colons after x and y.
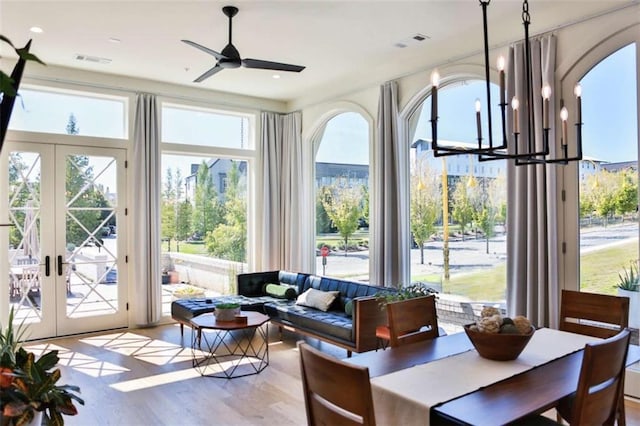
x: 335, y: 392
x: 591, y: 314
x: 409, y: 321
x: 596, y: 315
x: 600, y: 383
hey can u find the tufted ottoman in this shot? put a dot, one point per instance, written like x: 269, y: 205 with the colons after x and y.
x: 182, y: 310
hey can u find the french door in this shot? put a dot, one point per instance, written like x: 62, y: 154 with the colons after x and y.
x: 65, y: 263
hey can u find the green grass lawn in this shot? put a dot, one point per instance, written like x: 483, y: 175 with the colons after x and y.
x: 598, y: 271
x: 187, y: 248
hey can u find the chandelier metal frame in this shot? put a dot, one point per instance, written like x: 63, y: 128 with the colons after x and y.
x: 490, y: 152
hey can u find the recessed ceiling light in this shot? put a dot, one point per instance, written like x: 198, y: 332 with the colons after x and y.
x: 36, y: 30
x: 276, y: 76
x: 114, y: 40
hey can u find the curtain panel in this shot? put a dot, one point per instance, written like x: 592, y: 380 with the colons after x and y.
x: 390, y: 252
x: 532, y: 218
x: 146, y: 207
x: 283, y: 189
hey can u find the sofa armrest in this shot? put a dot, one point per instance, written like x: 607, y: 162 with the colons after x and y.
x: 367, y: 315
x: 251, y: 284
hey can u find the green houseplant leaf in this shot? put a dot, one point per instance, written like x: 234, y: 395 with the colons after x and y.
x: 628, y: 278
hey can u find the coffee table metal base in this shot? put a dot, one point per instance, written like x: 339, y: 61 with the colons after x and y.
x: 230, y: 354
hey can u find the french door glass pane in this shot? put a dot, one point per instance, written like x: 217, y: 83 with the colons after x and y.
x: 24, y: 238
x: 91, y: 236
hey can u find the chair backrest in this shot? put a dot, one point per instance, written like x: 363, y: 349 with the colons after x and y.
x: 591, y: 314
x: 412, y: 320
x: 335, y: 392
x: 601, y: 381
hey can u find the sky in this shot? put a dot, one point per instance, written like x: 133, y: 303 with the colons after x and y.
x: 609, y: 117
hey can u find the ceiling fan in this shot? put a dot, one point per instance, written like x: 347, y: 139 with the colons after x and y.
x: 230, y: 57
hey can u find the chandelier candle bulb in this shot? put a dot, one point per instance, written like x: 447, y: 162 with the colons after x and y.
x: 546, y: 94
x: 564, y: 114
x: 501, y: 74
x: 435, y: 80
x: 515, y: 104
x: 478, y: 121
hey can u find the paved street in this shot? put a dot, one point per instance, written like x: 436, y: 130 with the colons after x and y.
x: 469, y: 255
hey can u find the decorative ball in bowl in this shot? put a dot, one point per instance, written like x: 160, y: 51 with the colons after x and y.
x: 500, y: 338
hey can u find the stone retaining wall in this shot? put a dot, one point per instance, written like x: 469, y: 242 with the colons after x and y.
x: 201, y: 271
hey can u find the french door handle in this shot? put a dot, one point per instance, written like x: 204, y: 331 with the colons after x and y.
x: 47, y: 266
x: 59, y: 265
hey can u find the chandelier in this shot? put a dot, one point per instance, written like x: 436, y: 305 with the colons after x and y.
x: 511, y: 148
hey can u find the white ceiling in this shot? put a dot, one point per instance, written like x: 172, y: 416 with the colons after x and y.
x: 345, y: 45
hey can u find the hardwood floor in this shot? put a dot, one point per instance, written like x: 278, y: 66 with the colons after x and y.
x: 144, y: 377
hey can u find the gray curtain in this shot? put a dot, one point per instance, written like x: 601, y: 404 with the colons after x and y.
x: 282, y: 242
x: 146, y: 208
x: 532, y: 221
x: 390, y: 251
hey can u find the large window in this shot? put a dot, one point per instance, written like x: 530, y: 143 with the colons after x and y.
x: 342, y: 198
x: 70, y: 112
x: 609, y: 175
x: 204, y: 202
x: 458, y: 205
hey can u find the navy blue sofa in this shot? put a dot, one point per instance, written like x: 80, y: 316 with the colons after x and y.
x: 352, y: 329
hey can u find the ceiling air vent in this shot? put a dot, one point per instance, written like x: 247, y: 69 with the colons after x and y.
x: 412, y: 40
x: 94, y: 59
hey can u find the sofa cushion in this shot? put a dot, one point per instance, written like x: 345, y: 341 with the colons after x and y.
x: 332, y: 323
x: 348, y: 308
x: 348, y: 289
x: 318, y: 299
x: 281, y: 291
x: 292, y: 278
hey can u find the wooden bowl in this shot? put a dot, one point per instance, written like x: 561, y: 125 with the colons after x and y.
x: 496, y: 346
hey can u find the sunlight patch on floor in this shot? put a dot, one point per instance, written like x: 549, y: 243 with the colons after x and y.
x: 157, y: 380
x: 78, y: 361
x: 153, y: 351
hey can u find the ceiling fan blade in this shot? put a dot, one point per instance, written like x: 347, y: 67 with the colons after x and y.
x: 208, y: 74
x: 268, y: 65
x: 217, y: 55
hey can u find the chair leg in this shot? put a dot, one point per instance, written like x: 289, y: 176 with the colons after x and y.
x: 621, y: 417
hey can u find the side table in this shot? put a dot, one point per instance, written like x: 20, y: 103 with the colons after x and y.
x: 230, y: 349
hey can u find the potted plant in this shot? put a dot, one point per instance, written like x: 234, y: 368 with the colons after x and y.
x: 629, y: 286
x: 409, y: 292
x: 226, y: 311
x: 28, y: 386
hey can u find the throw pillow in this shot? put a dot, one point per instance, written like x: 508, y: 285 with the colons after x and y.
x: 281, y: 291
x: 348, y: 308
x: 318, y: 299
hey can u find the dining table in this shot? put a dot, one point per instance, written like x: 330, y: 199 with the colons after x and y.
x: 445, y: 381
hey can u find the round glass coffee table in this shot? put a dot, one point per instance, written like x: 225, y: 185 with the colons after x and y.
x: 230, y: 349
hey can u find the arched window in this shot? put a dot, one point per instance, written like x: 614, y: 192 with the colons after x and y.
x: 342, y: 197
x: 458, y: 207
x: 608, y: 188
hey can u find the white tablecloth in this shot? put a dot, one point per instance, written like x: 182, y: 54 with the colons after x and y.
x: 405, y: 397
